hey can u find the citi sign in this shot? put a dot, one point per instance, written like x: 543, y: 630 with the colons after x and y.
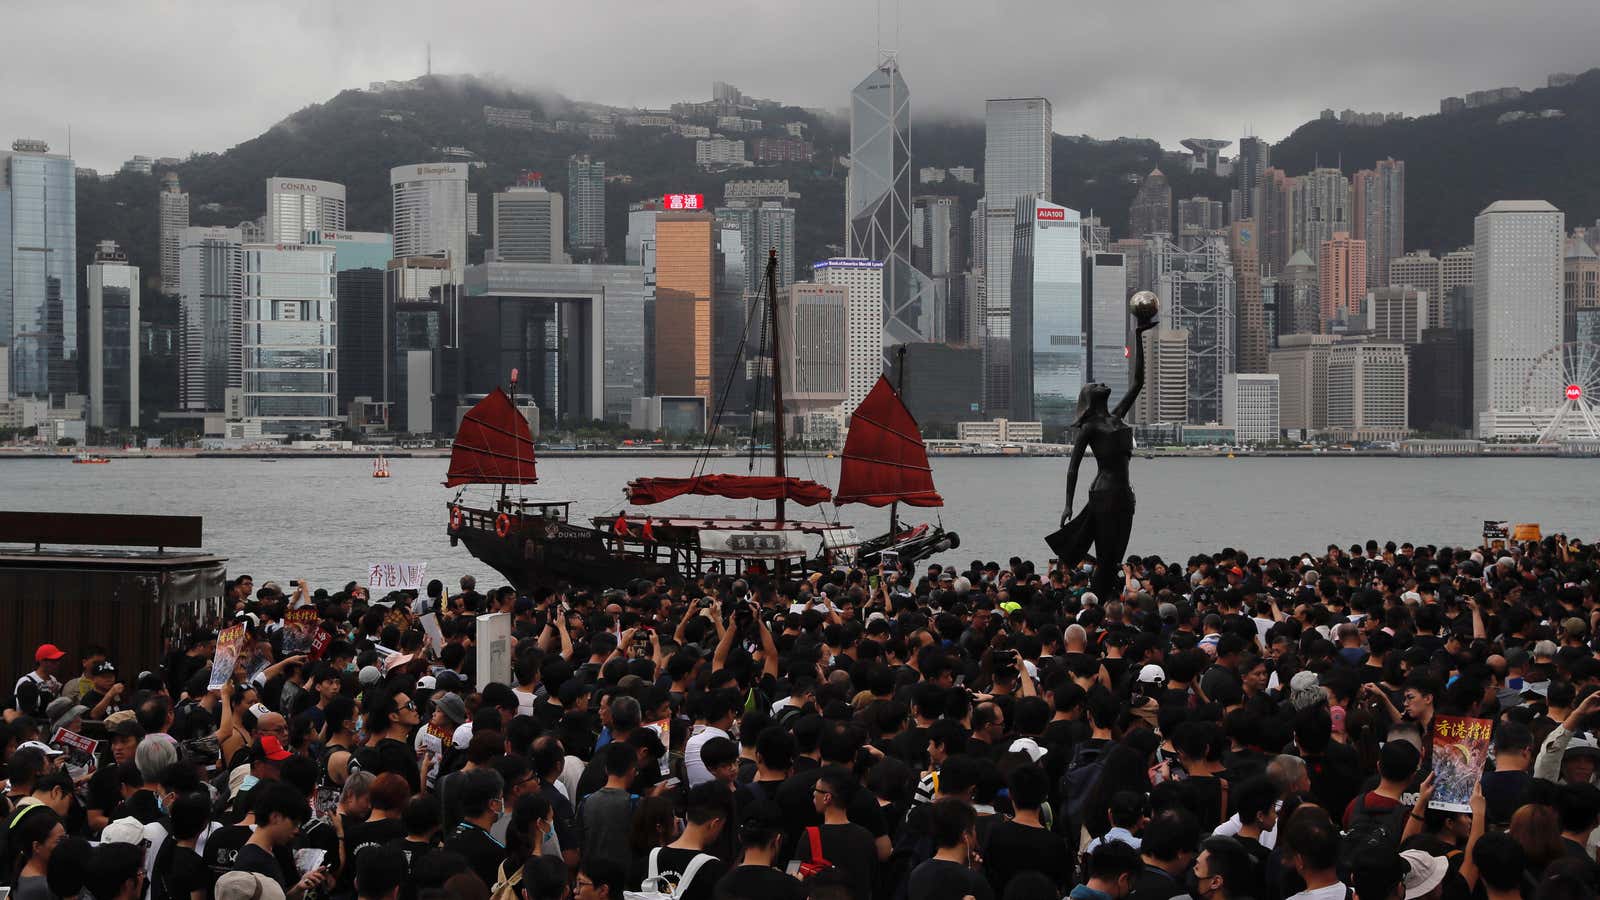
x: 1052, y: 215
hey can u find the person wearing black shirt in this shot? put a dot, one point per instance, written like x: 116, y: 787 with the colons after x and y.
x: 675, y: 865
x: 482, y: 801
x: 279, y: 811
x: 1022, y: 843
x: 1168, y: 846
x: 848, y: 847
x: 949, y: 875
x: 394, y: 717
x: 178, y: 872
x: 755, y: 876
x: 421, y: 820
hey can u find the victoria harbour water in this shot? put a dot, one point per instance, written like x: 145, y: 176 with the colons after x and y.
x: 324, y: 520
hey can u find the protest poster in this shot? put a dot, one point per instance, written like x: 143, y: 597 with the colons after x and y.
x: 230, y: 641
x: 1460, y: 747
x: 319, y: 643
x: 299, y: 629
x: 80, y: 751
x: 395, y: 576
x: 1493, y: 530
x: 430, y: 627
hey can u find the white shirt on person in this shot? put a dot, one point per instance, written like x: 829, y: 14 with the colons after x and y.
x: 692, y: 766
x: 1335, y: 891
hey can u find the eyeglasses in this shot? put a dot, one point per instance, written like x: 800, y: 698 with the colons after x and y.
x: 411, y: 705
x: 819, y: 792
x: 582, y: 883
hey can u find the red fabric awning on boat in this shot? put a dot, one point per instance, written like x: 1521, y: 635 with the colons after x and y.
x: 734, y: 487
x: 884, y: 458
x: 493, y: 445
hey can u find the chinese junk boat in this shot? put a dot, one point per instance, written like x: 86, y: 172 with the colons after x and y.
x: 886, y: 464
x: 533, y: 543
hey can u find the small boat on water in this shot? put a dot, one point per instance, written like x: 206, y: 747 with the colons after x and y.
x: 380, y: 467
x: 89, y: 459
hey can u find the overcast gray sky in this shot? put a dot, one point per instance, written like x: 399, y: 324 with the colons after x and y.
x: 164, y: 77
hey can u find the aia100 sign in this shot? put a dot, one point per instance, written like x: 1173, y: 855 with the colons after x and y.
x: 684, y: 201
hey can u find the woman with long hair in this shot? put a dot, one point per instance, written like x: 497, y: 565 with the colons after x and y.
x: 533, y: 819
x: 1107, y: 519
x: 33, y: 835
x: 1537, y: 828
x: 655, y: 824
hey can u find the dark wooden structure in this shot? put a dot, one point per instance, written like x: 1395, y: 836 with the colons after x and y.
x: 63, y: 586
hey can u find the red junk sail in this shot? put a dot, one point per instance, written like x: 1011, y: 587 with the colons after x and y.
x: 734, y: 487
x: 884, y: 458
x: 493, y: 445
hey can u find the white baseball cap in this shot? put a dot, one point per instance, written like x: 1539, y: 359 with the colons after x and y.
x: 40, y: 746
x: 1152, y: 674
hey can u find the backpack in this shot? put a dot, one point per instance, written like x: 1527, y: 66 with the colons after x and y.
x: 912, y: 847
x: 1082, y: 773
x: 653, y: 888
x: 506, y: 887
x: 817, y: 863
x: 1368, y: 829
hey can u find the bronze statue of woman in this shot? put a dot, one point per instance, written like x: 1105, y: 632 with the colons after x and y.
x: 1107, y: 519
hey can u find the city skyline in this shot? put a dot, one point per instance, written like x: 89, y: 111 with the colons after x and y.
x: 214, y: 98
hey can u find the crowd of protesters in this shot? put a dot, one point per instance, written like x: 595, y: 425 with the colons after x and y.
x: 1228, y: 727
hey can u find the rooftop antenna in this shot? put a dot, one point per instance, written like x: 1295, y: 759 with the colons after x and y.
x: 430, y: 58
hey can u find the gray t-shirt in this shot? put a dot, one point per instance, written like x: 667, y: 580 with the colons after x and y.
x: 605, y: 817
x: 32, y: 888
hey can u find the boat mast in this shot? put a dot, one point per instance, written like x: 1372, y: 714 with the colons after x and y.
x: 899, y: 388
x: 777, y: 378
x: 519, y: 451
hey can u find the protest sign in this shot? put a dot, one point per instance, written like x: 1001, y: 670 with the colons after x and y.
x: 299, y: 629
x: 492, y: 641
x: 80, y: 751
x: 230, y: 641
x: 396, y: 576
x: 1460, y: 747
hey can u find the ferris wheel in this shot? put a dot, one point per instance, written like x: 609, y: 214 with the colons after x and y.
x: 1564, y: 383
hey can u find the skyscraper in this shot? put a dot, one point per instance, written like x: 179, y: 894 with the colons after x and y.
x: 174, y: 219
x: 298, y: 205
x: 1195, y: 280
x: 113, y: 339
x: 684, y: 286
x: 1250, y: 404
x: 1016, y: 166
x: 290, y: 359
x: 1322, y: 208
x: 38, y: 269
x: 1048, y: 359
x: 527, y: 223
x: 1105, y: 287
x: 817, y: 368
x: 1200, y: 214
x: 878, y: 200
x: 1580, y: 293
x: 1151, y: 212
x: 1368, y: 390
x: 1300, y: 296
x: 1255, y: 156
x: 586, y: 206
x: 863, y: 328
x: 362, y: 328
x: 210, y: 292
x: 1247, y: 276
x: 1420, y: 269
x: 1274, y: 215
x: 1397, y: 314
x: 1456, y: 271
x: 1516, y: 316
x: 1301, y: 364
x: 1165, y: 397
x: 1380, y: 215
x: 1342, y: 265
x: 937, y: 251
x: 762, y: 226
x: 430, y: 211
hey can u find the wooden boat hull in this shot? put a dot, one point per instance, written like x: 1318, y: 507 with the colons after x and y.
x: 540, y: 552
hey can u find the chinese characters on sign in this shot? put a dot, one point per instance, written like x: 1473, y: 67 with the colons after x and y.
x: 396, y: 576
x: 684, y: 201
x: 1460, y: 746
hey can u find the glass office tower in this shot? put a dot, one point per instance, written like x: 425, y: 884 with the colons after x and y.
x: 290, y: 357
x: 1047, y: 341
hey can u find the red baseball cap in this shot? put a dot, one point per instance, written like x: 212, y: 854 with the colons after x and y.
x: 47, y: 651
x: 269, y: 748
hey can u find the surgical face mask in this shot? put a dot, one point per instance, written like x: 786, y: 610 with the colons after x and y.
x: 249, y: 782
